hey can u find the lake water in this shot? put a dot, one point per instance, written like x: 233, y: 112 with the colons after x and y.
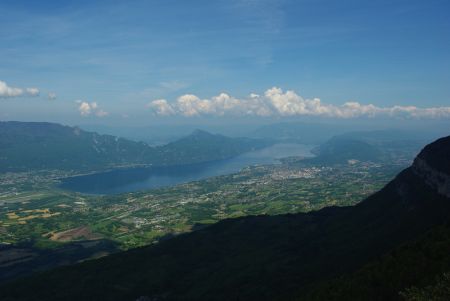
x: 135, y: 179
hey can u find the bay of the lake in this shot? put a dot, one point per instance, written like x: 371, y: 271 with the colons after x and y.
x: 136, y: 179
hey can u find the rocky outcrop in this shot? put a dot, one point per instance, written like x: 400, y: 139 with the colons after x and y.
x: 432, y: 166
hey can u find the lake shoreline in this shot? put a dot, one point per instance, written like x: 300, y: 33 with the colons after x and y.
x: 133, y: 179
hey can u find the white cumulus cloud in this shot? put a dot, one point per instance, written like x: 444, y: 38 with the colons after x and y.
x: 276, y: 102
x: 32, y: 91
x: 87, y: 108
x: 7, y: 91
x: 161, y: 107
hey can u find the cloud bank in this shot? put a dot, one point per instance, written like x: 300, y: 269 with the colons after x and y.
x: 88, y: 108
x: 9, y: 92
x: 276, y: 102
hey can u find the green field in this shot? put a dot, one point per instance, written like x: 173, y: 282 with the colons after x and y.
x: 35, y: 210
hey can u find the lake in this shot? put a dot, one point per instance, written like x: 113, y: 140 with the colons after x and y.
x: 136, y: 179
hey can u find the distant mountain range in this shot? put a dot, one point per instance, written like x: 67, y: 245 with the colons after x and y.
x: 395, y: 239
x: 369, y: 146
x: 341, y: 149
x: 202, y: 146
x: 39, y: 145
x: 318, y: 133
x: 306, y: 133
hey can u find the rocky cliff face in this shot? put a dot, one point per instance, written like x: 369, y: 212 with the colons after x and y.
x: 433, y: 166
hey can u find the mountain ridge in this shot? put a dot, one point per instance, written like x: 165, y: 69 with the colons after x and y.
x: 41, y: 145
x: 435, y: 173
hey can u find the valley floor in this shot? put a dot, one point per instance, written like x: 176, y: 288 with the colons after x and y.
x: 36, y: 216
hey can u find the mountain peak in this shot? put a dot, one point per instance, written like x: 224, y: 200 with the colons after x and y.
x: 433, y: 165
x: 199, y: 132
x: 437, y: 154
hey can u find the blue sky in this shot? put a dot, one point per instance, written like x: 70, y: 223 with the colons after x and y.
x: 109, y: 60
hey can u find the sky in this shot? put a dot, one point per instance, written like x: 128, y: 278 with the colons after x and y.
x: 145, y: 62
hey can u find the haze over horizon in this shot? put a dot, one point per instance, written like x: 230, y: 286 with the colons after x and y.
x: 211, y: 62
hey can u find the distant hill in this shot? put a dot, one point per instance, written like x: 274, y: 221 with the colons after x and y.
x: 394, y: 142
x: 38, y: 145
x: 306, y: 133
x: 285, y: 257
x: 202, y: 146
x: 340, y: 143
x: 318, y: 133
x: 342, y: 149
x: 370, y: 146
x: 394, y: 135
